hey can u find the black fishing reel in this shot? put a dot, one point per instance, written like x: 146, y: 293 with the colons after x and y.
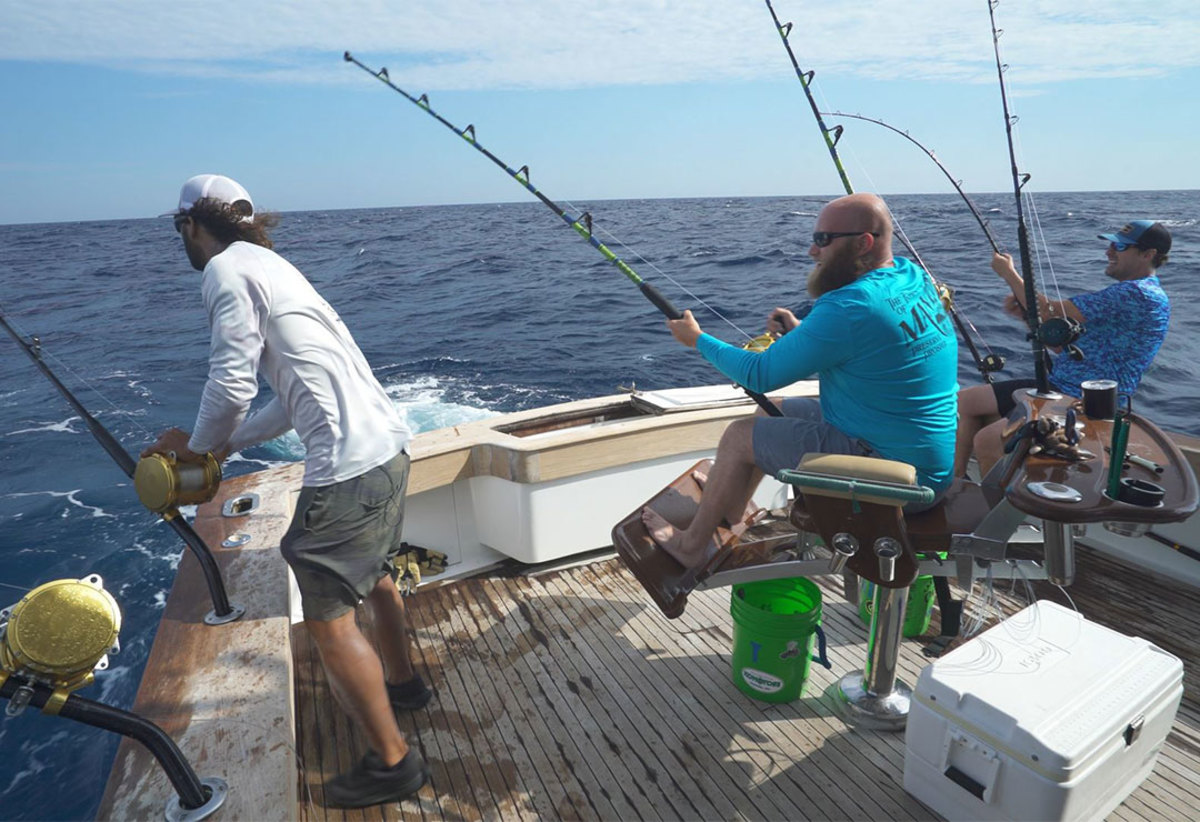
x: 1062, y: 332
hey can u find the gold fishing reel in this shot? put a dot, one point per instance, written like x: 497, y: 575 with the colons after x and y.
x: 945, y: 294
x: 760, y: 343
x: 164, y: 483
x: 59, y: 634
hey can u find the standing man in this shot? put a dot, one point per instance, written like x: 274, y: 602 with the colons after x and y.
x: 1126, y: 325
x: 267, y: 318
x: 885, y: 354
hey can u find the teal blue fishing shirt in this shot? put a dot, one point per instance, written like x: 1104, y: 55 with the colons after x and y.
x: 884, y: 350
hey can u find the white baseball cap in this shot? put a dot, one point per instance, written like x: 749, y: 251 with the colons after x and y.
x: 214, y: 187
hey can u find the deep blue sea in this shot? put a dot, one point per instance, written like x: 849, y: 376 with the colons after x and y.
x: 464, y: 311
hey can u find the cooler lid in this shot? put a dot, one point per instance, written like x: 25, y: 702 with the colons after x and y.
x: 1047, y: 686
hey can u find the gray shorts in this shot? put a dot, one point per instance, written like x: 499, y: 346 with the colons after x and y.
x: 343, y: 538
x: 781, y: 442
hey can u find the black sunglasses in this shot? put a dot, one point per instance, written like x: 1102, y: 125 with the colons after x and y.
x: 179, y: 220
x: 824, y: 238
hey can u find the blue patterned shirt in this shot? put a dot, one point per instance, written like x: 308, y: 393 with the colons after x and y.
x: 1125, y: 326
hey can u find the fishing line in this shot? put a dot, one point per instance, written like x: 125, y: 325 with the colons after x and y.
x: 582, y: 224
x: 932, y: 156
x: 62, y: 366
x: 15, y: 587
x: 617, y: 241
x: 985, y: 365
x: 1043, y: 248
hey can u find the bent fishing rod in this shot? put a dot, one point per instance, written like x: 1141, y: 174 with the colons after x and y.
x: 581, y: 224
x: 984, y: 364
x: 222, y: 611
x: 928, y: 153
x: 1063, y: 332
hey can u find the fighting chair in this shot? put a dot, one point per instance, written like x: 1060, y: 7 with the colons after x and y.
x: 856, y: 505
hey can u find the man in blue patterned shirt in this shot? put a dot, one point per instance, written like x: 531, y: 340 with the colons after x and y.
x: 1126, y: 324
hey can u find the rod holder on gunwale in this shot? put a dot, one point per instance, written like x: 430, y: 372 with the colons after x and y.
x: 195, y: 798
x: 51, y: 643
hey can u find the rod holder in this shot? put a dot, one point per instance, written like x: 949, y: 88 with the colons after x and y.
x: 195, y: 798
x: 888, y: 550
x: 1060, y: 553
x: 844, y: 547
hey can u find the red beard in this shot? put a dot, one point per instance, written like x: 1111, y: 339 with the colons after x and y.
x: 835, y: 269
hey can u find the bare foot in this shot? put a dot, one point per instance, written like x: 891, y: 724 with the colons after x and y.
x: 670, y: 539
x: 701, y: 477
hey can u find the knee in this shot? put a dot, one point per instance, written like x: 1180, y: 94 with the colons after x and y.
x: 385, y: 590
x: 738, y: 438
x: 331, y: 631
x: 987, y: 440
x: 977, y: 401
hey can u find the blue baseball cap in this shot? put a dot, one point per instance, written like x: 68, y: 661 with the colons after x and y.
x: 1143, y: 234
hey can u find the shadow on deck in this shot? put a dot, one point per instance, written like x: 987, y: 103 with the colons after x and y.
x: 568, y: 695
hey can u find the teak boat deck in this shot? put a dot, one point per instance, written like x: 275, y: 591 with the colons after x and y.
x: 568, y: 695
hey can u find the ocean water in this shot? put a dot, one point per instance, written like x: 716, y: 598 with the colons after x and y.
x: 463, y: 311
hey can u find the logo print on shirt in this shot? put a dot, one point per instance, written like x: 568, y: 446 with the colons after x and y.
x: 926, y: 311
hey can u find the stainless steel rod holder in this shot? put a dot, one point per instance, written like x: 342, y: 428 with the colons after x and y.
x: 844, y: 547
x: 1060, y: 553
x: 888, y: 551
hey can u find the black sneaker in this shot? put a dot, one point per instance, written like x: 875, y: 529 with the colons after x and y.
x: 371, y: 782
x: 410, y: 695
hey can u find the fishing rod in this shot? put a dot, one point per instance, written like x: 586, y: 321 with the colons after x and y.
x: 581, y: 224
x: 222, y: 611
x: 1019, y: 181
x: 984, y: 364
x: 953, y: 181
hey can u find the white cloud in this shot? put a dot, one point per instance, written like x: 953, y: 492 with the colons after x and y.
x: 475, y: 44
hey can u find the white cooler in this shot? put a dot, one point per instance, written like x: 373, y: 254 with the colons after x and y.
x: 1044, y: 716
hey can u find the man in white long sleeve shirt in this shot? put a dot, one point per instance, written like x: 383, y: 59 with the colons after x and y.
x: 267, y: 319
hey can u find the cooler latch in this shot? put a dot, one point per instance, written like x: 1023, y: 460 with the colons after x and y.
x: 1134, y: 729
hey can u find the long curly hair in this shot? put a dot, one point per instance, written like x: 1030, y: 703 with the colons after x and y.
x: 225, y: 222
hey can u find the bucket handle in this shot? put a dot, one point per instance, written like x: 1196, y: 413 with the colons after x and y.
x: 819, y: 656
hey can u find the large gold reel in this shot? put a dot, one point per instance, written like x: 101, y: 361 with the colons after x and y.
x: 760, y: 343
x: 164, y: 483
x: 60, y: 633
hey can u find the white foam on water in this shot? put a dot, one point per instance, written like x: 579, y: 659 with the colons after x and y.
x: 422, y: 404
x: 68, y: 495
x: 29, y: 750
x: 108, y: 680
x: 63, y: 427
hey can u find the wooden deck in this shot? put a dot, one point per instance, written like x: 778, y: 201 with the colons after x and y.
x: 569, y: 696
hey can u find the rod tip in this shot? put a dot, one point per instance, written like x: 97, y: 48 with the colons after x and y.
x: 346, y: 56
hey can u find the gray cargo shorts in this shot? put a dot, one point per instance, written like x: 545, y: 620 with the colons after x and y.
x: 343, y: 538
x: 781, y: 442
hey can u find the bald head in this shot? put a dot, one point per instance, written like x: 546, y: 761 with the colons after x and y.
x: 862, y: 213
x: 861, y: 226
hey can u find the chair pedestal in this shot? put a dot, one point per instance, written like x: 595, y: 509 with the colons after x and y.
x: 874, y: 698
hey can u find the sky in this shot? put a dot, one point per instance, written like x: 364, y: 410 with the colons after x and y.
x: 107, y: 107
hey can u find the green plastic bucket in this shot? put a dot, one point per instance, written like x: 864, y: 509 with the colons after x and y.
x: 776, y: 624
x: 916, y: 614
